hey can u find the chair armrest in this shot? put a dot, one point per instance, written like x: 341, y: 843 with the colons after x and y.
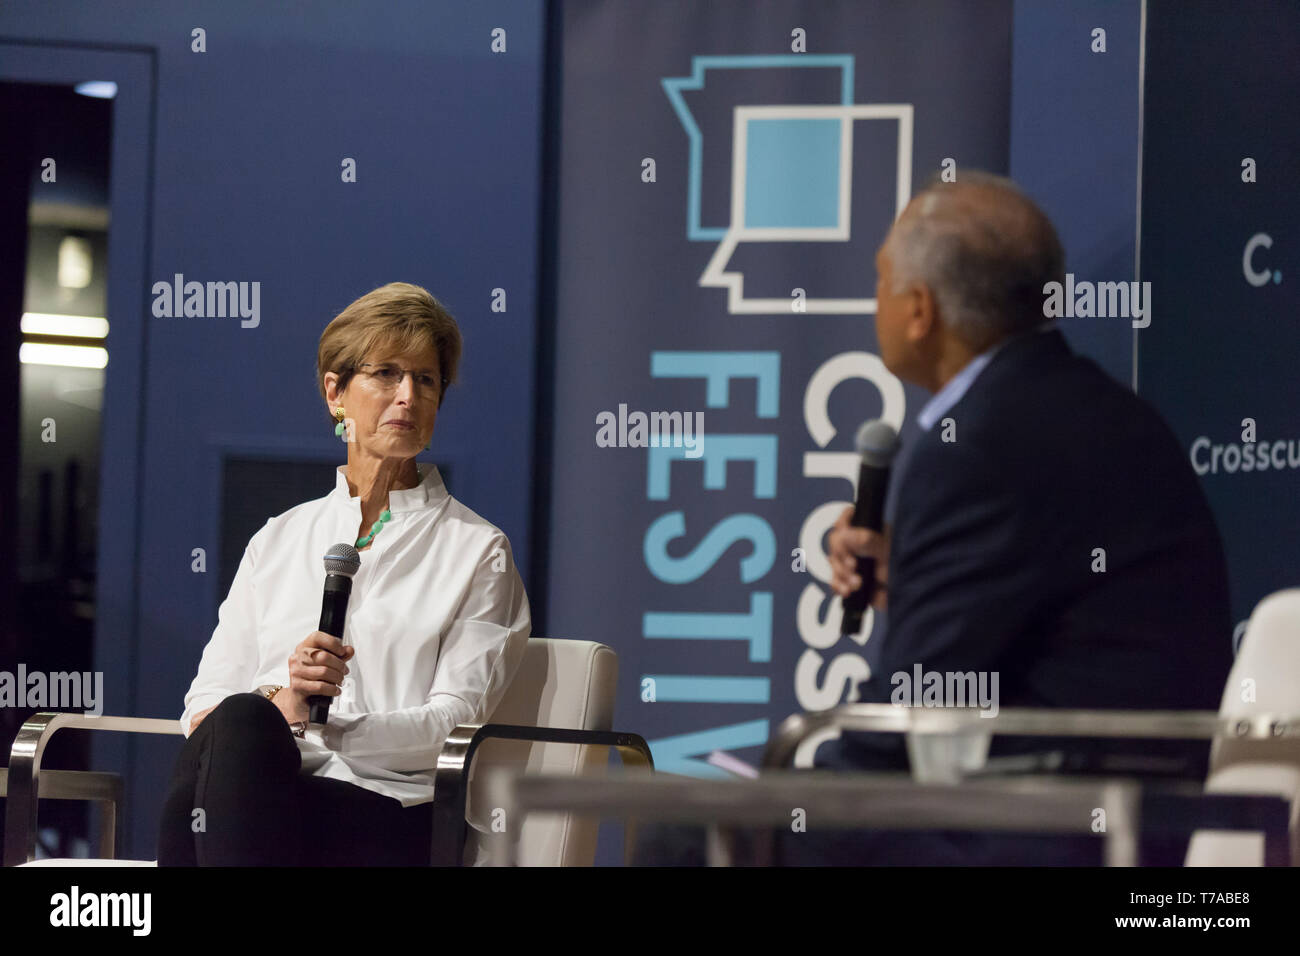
x: 1172, y: 810
x: 451, y: 778
x: 25, y: 766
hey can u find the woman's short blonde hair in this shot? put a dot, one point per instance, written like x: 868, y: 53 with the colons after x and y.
x: 399, y: 315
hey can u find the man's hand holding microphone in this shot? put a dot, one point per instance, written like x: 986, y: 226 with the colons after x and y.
x: 859, y: 554
x: 847, y: 545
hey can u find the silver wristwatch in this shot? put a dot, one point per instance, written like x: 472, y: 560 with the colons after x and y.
x: 296, y: 727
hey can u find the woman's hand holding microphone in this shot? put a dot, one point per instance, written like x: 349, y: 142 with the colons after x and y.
x: 317, y: 666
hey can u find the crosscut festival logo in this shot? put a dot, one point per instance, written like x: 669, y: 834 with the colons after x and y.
x: 792, y: 178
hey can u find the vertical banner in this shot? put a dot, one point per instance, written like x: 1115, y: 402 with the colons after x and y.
x: 727, y: 172
x: 1220, y: 232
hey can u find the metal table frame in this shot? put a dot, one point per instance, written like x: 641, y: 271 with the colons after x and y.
x: 843, y: 800
x: 1270, y: 737
x: 1051, y: 804
x: 1024, y: 722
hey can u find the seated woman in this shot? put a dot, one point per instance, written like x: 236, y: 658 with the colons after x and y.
x: 436, y: 627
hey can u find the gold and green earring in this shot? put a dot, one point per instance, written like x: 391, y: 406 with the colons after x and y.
x: 338, y: 429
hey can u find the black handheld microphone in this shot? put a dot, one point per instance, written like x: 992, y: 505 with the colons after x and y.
x: 877, y: 443
x: 341, y: 562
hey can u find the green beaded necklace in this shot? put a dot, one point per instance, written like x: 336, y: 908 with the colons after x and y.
x: 374, y: 529
x: 383, y: 518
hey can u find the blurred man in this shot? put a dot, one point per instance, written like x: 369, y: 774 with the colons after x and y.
x: 1047, y: 527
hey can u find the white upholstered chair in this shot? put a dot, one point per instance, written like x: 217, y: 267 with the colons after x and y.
x: 1264, y: 683
x: 556, y: 717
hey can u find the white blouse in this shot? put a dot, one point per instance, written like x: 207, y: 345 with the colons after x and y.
x: 437, y: 614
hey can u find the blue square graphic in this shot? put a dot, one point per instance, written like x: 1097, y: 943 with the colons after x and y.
x: 792, y: 173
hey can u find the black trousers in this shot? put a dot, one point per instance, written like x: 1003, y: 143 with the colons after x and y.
x: 242, y: 769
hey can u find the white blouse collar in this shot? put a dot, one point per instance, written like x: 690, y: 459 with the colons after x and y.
x: 427, y: 494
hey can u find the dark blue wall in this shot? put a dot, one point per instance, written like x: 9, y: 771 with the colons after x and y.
x: 240, y: 149
x: 1074, y: 147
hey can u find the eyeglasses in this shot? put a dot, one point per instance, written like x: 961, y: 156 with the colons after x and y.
x: 388, y: 377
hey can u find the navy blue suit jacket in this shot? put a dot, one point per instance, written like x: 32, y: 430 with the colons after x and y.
x: 993, y: 554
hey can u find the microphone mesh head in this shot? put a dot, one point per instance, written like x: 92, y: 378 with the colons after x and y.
x: 877, y: 443
x: 342, y: 559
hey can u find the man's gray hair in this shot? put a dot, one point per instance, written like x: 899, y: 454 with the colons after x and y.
x: 985, y: 251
